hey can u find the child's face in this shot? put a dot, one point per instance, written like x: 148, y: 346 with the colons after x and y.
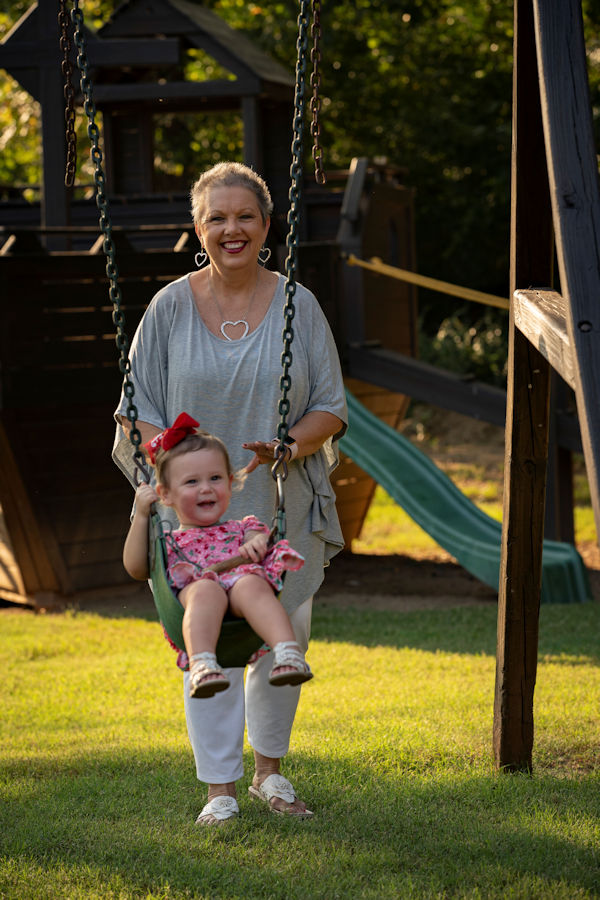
x: 199, y: 487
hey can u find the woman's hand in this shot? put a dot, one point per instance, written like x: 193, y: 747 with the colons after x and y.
x: 145, y: 496
x: 310, y: 433
x: 255, y: 549
x: 263, y: 453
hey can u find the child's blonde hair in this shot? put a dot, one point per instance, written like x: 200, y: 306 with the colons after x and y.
x: 200, y: 440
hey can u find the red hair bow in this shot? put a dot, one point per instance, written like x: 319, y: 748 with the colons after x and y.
x: 170, y: 437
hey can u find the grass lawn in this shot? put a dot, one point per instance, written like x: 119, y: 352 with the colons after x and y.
x: 392, y: 749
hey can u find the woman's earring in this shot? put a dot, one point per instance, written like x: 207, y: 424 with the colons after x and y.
x: 201, y: 257
x: 264, y: 255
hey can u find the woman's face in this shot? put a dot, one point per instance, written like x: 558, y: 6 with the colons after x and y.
x: 232, y: 230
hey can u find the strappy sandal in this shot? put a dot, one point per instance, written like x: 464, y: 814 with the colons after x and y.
x: 278, y: 786
x: 288, y: 653
x: 220, y: 809
x: 202, y: 665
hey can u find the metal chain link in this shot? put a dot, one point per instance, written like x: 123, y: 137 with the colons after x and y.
x: 279, y: 470
x: 315, y: 103
x: 69, y: 93
x: 108, y: 245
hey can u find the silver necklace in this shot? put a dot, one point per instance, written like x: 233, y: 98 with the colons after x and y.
x: 243, y: 321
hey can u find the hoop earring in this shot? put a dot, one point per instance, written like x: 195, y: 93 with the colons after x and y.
x: 264, y: 255
x: 201, y: 257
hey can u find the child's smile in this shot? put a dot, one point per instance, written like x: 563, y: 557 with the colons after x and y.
x: 199, y: 487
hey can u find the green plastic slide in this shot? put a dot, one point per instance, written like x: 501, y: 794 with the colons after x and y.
x: 434, y: 502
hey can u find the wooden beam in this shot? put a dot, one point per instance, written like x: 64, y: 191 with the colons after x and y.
x: 575, y: 196
x: 55, y: 198
x: 172, y: 90
x: 542, y: 317
x: 447, y: 390
x: 427, y: 383
x: 34, y: 548
x: 16, y: 54
x: 134, y: 52
x: 527, y: 413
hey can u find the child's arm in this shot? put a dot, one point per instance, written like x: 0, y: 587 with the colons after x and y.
x: 255, y: 546
x: 135, y: 551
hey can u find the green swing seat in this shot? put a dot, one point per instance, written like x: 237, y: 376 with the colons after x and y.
x: 237, y: 641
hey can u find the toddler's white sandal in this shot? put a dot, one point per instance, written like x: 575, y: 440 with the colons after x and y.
x: 220, y: 808
x: 201, y: 665
x: 288, y: 653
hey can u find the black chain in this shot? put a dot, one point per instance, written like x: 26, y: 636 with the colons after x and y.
x: 108, y: 245
x: 315, y: 103
x: 291, y: 263
x: 69, y: 93
x: 279, y: 470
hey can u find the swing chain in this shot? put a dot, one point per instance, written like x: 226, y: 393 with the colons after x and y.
x: 69, y: 93
x: 278, y: 523
x: 108, y: 245
x: 285, y: 382
x: 315, y: 103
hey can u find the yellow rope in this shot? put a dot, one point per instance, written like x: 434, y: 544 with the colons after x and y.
x: 376, y: 265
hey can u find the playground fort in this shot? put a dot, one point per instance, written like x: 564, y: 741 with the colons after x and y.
x: 65, y: 506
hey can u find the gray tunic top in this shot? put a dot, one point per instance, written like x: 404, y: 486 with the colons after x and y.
x: 232, y: 389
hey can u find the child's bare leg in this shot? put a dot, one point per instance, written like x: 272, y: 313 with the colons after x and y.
x: 205, y: 603
x: 252, y: 598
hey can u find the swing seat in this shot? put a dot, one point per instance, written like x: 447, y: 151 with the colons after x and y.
x: 237, y: 641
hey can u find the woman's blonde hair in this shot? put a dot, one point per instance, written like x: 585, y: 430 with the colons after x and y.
x: 201, y: 440
x: 230, y: 174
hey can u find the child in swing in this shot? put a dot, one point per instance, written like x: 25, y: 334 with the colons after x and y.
x: 194, y: 476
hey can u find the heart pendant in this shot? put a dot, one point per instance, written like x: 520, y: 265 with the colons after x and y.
x: 234, y: 325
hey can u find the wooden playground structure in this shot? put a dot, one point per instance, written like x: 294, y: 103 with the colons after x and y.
x: 66, y: 507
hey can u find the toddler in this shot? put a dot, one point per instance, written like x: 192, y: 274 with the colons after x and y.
x: 194, y: 476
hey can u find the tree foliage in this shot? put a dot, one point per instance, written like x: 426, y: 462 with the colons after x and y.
x: 425, y: 84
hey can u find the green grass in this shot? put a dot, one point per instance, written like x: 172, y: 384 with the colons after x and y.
x: 392, y: 749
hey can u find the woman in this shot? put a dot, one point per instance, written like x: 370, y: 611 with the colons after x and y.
x: 210, y: 343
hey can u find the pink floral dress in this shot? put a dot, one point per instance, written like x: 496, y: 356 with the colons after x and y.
x: 190, y: 550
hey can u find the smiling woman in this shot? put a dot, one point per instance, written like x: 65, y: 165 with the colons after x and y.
x: 231, y: 231
x: 232, y: 221
x: 211, y: 343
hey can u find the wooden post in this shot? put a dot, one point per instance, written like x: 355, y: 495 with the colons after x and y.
x: 559, y: 522
x: 527, y: 411
x: 575, y: 197
x: 55, y: 197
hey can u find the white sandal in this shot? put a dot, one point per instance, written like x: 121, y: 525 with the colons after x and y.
x: 201, y: 665
x: 288, y: 653
x: 278, y: 786
x: 221, y: 809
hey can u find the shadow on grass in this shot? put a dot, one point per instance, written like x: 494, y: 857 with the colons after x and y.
x: 123, y: 826
x: 567, y: 633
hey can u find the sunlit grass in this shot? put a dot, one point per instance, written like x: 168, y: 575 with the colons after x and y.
x: 387, y: 529
x: 392, y: 748
x: 585, y: 527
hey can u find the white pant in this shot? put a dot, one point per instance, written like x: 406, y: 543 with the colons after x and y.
x: 216, y: 724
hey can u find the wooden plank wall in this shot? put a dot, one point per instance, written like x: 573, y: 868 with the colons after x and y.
x: 65, y: 503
